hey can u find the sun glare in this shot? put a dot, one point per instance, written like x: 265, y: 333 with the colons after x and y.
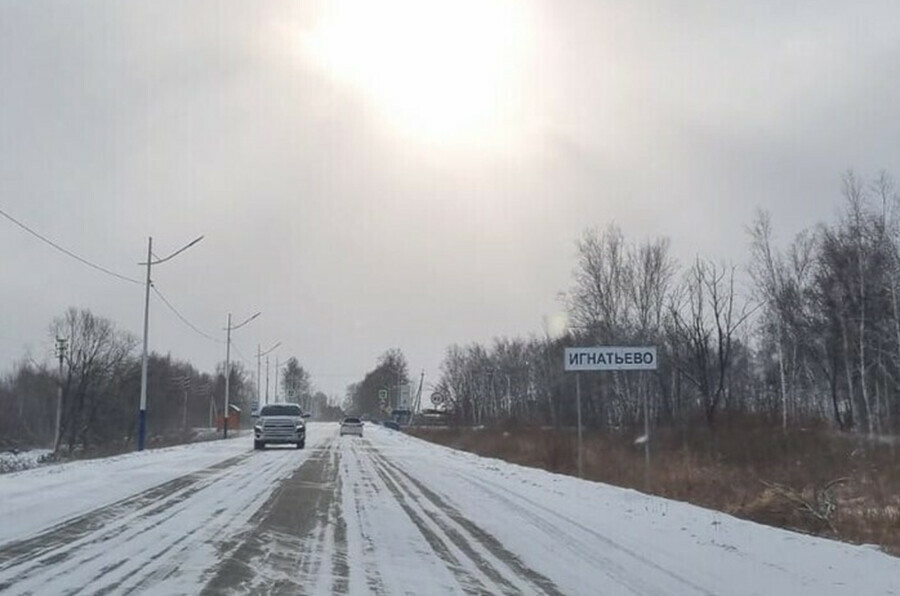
x: 440, y: 70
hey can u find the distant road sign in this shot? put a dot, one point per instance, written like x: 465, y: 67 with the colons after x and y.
x: 611, y: 358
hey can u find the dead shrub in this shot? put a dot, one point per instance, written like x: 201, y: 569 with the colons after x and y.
x: 747, y: 468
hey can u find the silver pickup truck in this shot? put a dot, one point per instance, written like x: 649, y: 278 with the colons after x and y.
x: 280, y: 424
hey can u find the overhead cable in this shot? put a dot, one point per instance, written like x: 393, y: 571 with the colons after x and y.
x: 68, y: 252
x: 241, y: 355
x: 183, y: 319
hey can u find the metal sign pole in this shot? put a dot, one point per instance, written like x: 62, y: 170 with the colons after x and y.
x: 578, y: 400
x: 646, y: 436
x: 637, y: 358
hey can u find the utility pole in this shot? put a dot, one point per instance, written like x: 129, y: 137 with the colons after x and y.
x: 259, y: 355
x: 276, y: 379
x: 61, y: 354
x: 228, y: 330
x: 414, y: 408
x: 142, y: 413
x: 186, y: 384
x: 227, y: 377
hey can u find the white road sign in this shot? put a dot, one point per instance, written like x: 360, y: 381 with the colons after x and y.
x: 611, y: 358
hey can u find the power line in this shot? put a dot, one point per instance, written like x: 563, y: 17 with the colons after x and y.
x: 182, y: 318
x: 68, y: 252
x: 242, y: 357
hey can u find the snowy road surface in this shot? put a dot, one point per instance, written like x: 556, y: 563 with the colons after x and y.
x: 386, y: 514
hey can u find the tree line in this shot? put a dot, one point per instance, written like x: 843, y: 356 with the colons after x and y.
x: 297, y: 387
x: 803, y: 333
x: 379, y: 391
x: 100, y: 382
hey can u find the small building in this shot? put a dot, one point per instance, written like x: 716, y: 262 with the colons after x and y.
x: 234, y: 418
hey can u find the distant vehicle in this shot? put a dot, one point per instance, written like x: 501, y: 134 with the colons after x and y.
x: 351, y: 426
x: 391, y: 424
x: 401, y: 416
x: 280, y: 424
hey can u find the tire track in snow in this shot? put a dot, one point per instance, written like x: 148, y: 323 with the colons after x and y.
x: 165, y: 562
x: 150, y: 544
x: 441, y: 545
x: 535, y: 513
x: 539, y: 583
x: 505, y: 571
x: 340, y: 562
x: 282, y: 552
x: 57, y: 544
x: 366, y: 490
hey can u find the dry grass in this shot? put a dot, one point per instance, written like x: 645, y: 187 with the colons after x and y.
x: 810, y: 480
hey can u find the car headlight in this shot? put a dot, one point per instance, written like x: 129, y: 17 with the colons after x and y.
x: 257, y: 429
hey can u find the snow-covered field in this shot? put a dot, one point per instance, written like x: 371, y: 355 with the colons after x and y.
x: 592, y: 538
x: 386, y: 514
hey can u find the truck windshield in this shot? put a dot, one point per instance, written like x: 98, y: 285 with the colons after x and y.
x: 280, y: 410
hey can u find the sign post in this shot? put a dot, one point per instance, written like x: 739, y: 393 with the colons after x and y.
x: 578, y: 406
x: 383, y: 399
x: 610, y: 358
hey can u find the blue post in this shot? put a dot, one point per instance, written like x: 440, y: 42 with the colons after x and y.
x: 142, y: 428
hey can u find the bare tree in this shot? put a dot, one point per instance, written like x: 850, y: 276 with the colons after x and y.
x: 768, y: 273
x: 598, y: 297
x: 296, y: 384
x: 96, y: 355
x: 706, y: 326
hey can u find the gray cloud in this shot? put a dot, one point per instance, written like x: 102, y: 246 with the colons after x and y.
x: 121, y: 120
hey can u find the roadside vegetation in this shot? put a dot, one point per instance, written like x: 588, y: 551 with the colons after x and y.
x: 100, y: 383
x: 378, y: 393
x: 777, y: 395
x: 811, y: 480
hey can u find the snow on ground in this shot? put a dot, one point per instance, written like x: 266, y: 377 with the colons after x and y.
x: 21, y: 460
x: 388, y: 514
x: 592, y: 538
x: 134, y: 521
x: 50, y: 494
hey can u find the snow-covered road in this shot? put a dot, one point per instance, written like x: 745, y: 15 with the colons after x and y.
x: 386, y: 514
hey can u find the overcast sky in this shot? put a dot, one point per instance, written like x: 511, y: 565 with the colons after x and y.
x: 408, y: 173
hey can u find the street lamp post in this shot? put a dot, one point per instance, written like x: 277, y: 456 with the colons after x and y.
x: 228, y: 330
x: 259, y: 355
x: 142, y: 412
x: 277, y: 371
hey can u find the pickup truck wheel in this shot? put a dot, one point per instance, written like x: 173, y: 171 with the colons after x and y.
x: 259, y: 445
